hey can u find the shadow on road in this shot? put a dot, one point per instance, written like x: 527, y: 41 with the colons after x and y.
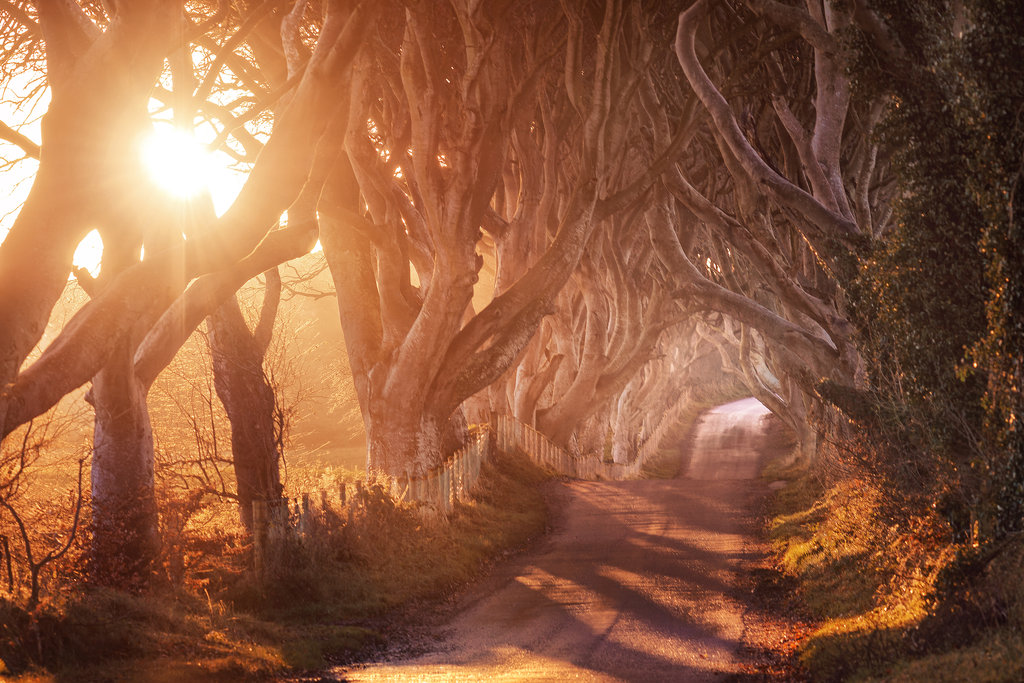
x: 636, y: 583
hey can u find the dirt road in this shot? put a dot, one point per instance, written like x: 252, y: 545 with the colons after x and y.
x: 636, y: 583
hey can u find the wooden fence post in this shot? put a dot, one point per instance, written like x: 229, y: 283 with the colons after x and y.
x: 453, y: 484
x: 442, y: 490
x: 304, y: 514
x: 474, y: 458
x: 433, y: 488
x: 457, y: 482
x: 277, y: 520
x: 463, y: 479
x: 260, y: 524
x: 474, y: 463
x: 445, y: 488
x: 410, y: 485
x: 360, y: 494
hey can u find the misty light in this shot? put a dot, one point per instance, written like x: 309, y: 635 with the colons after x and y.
x: 89, y: 253
x: 177, y: 161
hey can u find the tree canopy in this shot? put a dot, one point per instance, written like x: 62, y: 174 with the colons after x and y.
x: 533, y: 208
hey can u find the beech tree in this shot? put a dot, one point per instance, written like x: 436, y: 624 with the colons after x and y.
x: 676, y: 375
x: 248, y: 397
x: 555, y: 356
x: 784, y: 177
x: 645, y: 178
x: 612, y: 320
x: 101, y: 71
x: 446, y: 102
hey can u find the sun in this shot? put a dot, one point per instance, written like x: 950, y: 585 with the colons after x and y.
x: 177, y: 162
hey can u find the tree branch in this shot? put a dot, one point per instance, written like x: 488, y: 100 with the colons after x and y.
x: 725, y: 123
x: 30, y: 148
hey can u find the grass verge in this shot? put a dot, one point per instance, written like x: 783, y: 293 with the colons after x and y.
x: 894, y: 599
x: 328, y: 598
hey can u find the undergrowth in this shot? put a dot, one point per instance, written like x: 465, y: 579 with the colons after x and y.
x: 325, y: 598
x: 896, y: 598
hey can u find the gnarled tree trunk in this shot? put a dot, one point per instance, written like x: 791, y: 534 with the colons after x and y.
x: 248, y: 398
x: 125, y: 523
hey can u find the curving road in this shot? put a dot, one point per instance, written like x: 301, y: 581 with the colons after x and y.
x: 636, y: 583
x: 726, y: 441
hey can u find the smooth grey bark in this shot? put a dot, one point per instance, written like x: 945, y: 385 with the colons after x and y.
x: 419, y: 355
x: 125, y: 526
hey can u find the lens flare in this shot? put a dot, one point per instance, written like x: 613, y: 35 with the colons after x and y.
x: 177, y: 162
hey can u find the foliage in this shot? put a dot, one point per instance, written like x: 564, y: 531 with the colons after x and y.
x: 992, y: 61
x: 888, y: 588
x: 209, y: 619
x: 933, y: 301
x: 903, y: 551
x: 921, y: 293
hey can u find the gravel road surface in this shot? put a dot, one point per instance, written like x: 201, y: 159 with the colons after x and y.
x: 637, y: 582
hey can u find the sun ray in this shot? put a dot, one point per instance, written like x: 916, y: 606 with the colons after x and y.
x: 177, y: 162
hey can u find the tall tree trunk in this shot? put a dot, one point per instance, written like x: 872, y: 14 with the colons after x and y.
x: 413, y: 442
x: 125, y: 523
x: 248, y: 399
x: 623, y: 433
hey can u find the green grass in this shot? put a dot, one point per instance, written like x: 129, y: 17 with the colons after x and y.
x: 879, y: 590
x: 326, y: 600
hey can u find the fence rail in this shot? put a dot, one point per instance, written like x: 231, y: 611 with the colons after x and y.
x: 512, y: 434
x: 440, y: 489
x: 450, y: 482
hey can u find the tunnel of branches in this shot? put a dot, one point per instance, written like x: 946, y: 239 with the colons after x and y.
x: 578, y: 214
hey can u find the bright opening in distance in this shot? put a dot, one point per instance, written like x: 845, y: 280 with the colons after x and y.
x: 177, y: 162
